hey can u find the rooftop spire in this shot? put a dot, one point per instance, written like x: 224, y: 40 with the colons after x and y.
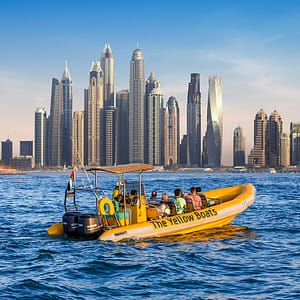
x: 107, y: 52
x: 66, y: 73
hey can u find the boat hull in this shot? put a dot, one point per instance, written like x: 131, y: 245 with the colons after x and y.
x: 234, y: 201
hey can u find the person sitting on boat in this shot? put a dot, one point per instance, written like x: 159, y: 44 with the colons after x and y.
x: 116, y: 197
x: 194, y: 199
x: 202, y: 196
x: 164, y: 198
x: 153, y: 198
x: 116, y: 193
x: 164, y: 208
x: 133, y: 197
x: 179, y: 202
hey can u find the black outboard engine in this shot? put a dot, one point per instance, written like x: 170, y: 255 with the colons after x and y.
x: 70, y: 223
x: 89, y: 226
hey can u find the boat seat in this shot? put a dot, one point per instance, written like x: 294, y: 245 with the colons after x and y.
x: 189, y: 207
x: 152, y: 212
x: 203, y: 200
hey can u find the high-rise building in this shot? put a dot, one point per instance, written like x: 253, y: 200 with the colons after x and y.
x: 108, y: 152
x: 194, y: 122
x: 93, y: 103
x: 171, y: 133
x: 257, y: 156
x: 136, y: 107
x: 154, y: 122
x: 60, y: 122
x: 7, y: 151
x: 26, y: 148
x: 107, y: 65
x: 183, y: 151
x: 67, y: 98
x: 295, y: 143
x: 122, y: 102
x: 274, y: 131
x: 284, y: 150
x: 78, y: 139
x: 151, y: 84
x: 238, y: 147
x: 55, y: 133
x: 40, y: 137
x: 214, y: 131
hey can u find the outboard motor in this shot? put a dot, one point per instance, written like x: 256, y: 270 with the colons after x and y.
x: 70, y: 223
x: 89, y: 226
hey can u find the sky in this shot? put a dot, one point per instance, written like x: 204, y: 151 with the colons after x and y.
x: 254, y: 46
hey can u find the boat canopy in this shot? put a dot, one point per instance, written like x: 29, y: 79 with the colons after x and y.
x: 121, y: 169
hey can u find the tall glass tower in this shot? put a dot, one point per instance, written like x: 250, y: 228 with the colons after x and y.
x: 107, y: 65
x: 67, y: 91
x: 40, y: 137
x: 122, y: 102
x: 136, y: 107
x: 274, y: 132
x: 78, y: 139
x: 55, y: 132
x: 153, y: 122
x: 171, y: 133
x: 93, y: 103
x: 194, y: 122
x: 257, y: 156
x: 7, y: 151
x: 108, y: 150
x: 284, y: 150
x: 295, y: 143
x: 238, y: 147
x: 214, y: 131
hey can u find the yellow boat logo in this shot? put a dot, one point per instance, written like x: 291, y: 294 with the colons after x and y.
x: 183, y: 219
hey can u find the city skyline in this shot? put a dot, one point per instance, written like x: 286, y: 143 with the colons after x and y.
x: 253, y: 47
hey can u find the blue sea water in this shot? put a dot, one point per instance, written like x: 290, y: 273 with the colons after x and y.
x: 256, y: 257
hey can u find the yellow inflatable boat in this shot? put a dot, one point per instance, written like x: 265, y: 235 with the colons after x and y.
x: 130, y: 216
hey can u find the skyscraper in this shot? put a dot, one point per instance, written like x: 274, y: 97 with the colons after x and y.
x: 284, y: 150
x: 151, y: 84
x: 122, y: 102
x: 214, y: 131
x: 183, y: 151
x: 107, y: 65
x: 194, y: 122
x: 40, y: 137
x: 295, y: 143
x: 108, y: 151
x: 7, y: 151
x: 238, y: 147
x: 67, y: 91
x: 55, y: 133
x: 274, y: 131
x: 257, y: 156
x: 154, y: 122
x: 136, y: 107
x: 171, y: 133
x: 60, y: 122
x: 93, y: 103
x: 26, y: 148
x: 78, y: 139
